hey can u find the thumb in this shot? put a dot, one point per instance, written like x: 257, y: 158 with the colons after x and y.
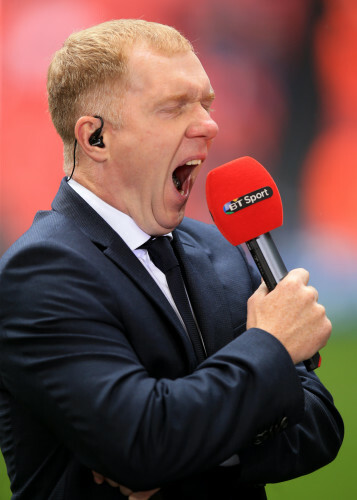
x: 262, y: 289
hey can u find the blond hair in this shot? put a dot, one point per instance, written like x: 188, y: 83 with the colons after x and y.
x: 82, y: 73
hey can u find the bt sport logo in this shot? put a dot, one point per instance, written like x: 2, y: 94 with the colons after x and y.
x: 247, y: 200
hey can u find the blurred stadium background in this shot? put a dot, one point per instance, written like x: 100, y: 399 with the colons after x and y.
x: 285, y: 75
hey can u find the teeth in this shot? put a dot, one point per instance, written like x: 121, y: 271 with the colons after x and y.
x: 194, y: 162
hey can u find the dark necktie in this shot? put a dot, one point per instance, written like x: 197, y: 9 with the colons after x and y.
x: 163, y: 256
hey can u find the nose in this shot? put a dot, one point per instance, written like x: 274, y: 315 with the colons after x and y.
x: 202, y: 125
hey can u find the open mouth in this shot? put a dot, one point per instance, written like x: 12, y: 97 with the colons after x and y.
x: 182, y: 175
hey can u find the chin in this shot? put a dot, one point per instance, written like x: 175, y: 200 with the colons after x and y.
x: 169, y: 226
x: 169, y: 219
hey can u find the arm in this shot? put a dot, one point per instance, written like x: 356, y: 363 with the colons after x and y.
x: 302, y: 448
x: 78, y: 373
x: 278, y: 456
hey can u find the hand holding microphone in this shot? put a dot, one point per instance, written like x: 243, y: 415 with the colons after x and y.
x: 292, y: 314
x: 245, y: 205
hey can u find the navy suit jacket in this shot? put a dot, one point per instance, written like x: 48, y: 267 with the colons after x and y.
x: 97, y: 373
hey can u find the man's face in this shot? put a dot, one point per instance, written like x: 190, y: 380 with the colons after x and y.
x: 157, y: 153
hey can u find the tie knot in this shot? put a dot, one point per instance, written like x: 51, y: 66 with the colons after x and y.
x: 161, y: 253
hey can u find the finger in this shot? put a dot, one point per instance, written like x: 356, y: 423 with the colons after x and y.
x: 125, y: 491
x: 143, y: 495
x: 112, y: 483
x: 98, y: 478
x: 262, y: 289
x: 314, y: 293
x: 301, y: 274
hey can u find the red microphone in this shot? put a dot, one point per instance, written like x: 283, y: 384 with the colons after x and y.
x: 245, y: 205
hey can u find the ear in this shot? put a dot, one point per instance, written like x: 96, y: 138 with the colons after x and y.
x: 84, y: 129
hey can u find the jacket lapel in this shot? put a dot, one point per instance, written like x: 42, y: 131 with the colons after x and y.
x: 205, y: 291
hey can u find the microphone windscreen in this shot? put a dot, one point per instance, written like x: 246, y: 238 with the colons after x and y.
x: 243, y: 200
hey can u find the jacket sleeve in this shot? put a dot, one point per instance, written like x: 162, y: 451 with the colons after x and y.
x: 281, y: 454
x: 65, y: 355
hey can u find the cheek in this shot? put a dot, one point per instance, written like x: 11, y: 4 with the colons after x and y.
x: 152, y: 150
x: 162, y: 139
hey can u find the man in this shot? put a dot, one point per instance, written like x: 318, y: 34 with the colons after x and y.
x: 98, y: 372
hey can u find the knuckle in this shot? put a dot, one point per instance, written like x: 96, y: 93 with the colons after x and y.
x: 328, y: 326
x: 298, y: 276
x: 291, y: 282
x: 322, y: 308
x: 326, y: 330
x: 321, y: 311
x: 302, y: 273
x: 311, y: 293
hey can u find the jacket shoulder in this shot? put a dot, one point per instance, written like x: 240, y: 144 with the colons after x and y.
x: 207, y: 238
x: 47, y: 226
x: 201, y: 232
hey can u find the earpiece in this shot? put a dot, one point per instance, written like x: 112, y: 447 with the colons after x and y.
x: 96, y: 139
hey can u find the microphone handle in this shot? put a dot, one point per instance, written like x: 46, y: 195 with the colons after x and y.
x: 272, y: 269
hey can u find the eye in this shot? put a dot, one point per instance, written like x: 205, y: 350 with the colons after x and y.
x: 174, y: 109
x: 207, y: 106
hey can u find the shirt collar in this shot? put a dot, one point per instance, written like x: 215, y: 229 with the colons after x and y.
x: 122, y: 223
